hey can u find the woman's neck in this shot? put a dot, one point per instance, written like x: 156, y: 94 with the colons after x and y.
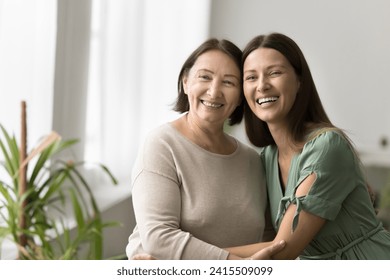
x: 209, y: 137
x: 287, y: 147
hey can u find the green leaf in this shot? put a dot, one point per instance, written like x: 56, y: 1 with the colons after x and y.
x: 108, y: 172
x: 11, y: 155
x: 77, y: 210
x: 53, y: 185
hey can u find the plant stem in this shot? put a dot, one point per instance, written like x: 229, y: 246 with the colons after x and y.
x: 23, y: 175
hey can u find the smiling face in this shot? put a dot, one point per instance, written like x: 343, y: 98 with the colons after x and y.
x: 213, y: 87
x: 270, y: 85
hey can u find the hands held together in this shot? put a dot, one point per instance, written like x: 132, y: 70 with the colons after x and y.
x: 264, y: 254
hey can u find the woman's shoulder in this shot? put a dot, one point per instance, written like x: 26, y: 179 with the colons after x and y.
x: 328, y: 145
x: 329, y: 137
x: 155, y: 153
x: 245, y: 147
x: 269, y: 150
x: 268, y: 155
x: 158, y: 139
x: 162, y: 133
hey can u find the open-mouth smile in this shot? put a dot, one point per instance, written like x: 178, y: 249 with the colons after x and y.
x: 211, y: 104
x: 265, y: 100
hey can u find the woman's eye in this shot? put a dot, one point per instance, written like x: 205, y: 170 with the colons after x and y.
x: 205, y: 77
x: 275, y: 73
x: 227, y: 82
x: 249, y: 78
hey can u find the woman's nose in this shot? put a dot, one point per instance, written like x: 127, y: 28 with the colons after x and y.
x: 263, y: 84
x: 214, y: 90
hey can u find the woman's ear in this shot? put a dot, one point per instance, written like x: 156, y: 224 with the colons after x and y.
x: 299, y: 83
x: 184, y: 82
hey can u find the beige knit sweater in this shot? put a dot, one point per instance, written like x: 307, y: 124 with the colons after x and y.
x: 189, y: 203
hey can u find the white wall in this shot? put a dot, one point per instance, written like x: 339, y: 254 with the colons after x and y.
x: 346, y: 44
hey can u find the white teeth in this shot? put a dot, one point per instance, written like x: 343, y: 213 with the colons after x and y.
x: 212, y: 105
x: 266, y: 100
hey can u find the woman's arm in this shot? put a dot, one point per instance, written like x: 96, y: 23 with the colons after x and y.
x: 157, y: 208
x: 269, y: 231
x: 265, y: 254
x: 308, y: 226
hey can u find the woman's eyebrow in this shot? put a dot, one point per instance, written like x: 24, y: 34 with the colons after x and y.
x: 233, y: 76
x: 209, y: 71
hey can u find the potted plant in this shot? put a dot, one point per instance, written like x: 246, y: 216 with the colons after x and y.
x: 36, y: 199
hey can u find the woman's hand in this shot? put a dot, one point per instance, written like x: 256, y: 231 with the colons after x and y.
x: 268, y: 252
x: 143, y: 257
x: 263, y: 254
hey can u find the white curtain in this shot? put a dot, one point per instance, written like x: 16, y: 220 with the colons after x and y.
x: 27, y: 55
x: 27, y: 59
x: 137, y: 49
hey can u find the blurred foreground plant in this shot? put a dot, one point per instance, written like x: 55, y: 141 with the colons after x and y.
x: 29, y: 198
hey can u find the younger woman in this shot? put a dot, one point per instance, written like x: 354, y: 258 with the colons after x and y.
x: 320, y: 204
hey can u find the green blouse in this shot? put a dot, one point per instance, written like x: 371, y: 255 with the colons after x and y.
x: 339, y: 195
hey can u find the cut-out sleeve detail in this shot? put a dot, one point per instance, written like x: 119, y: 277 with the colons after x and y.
x: 316, y: 205
x: 284, y: 203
